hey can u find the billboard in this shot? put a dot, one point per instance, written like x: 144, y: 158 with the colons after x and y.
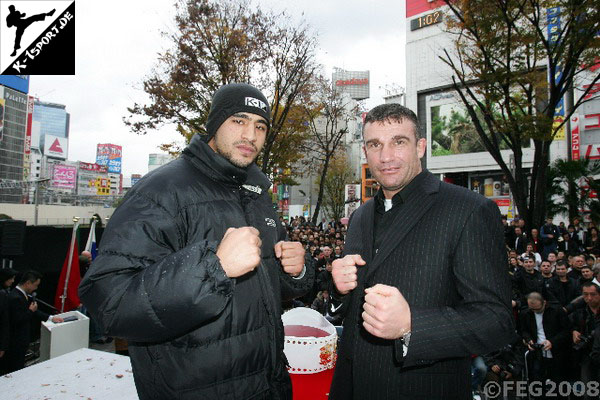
x: 102, y: 186
x: 135, y: 178
x: 585, y: 123
x: 585, y: 132
x: 27, y: 150
x: 449, y: 127
x: 355, y: 83
x: 17, y: 82
x: 93, y: 167
x: 109, y: 155
x: 56, y: 147
x: 351, y: 198
x: 64, y: 176
x: 414, y: 7
x: 88, y: 176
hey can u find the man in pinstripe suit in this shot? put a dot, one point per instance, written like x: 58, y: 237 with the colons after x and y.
x: 423, y: 283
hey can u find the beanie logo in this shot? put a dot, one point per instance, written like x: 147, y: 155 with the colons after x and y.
x: 253, y: 102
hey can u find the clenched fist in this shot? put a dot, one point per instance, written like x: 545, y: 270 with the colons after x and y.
x: 386, y: 313
x: 291, y: 256
x: 344, y: 272
x: 239, y: 251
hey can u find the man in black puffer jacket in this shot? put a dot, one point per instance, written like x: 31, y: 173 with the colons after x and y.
x: 193, y: 266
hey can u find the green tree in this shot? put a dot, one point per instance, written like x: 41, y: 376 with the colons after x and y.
x: 500, y: 62
x: 219, y: 42
x: 338, y: 175
x: 572, y: 182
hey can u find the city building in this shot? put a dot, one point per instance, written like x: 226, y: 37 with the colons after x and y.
x: 54, y: 122
x: 14, y: 165
x: 155, y: 160
x: 110, y: 155
x: 355, y: 83
x: 430, y: 95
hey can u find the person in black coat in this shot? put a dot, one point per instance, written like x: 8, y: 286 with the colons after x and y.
x: 194, y: 265
x: 585, y: 322
x: 561, y: 289
x: 520, y: 240
x: 423, y: 283
x: 525, y: 281
x: 550, y: 350
x: 7, y: 278
x: 22, y: 311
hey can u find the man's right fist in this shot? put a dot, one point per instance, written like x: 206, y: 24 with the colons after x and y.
x: 239, y: 251
x: 33, y: 306
x: 344, y: 272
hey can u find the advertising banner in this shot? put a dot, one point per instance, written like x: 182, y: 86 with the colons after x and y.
x: 55, y: 146
x: 17, y: 82
x: 553, y: 30
x: 352, y: 199
x: 585, y: 132
x: 64, y: 176
x: 93, y: 167
x: 109, y: 155
x: 27, y: 149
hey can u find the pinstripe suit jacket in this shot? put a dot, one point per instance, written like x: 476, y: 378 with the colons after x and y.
x: 446, y: 255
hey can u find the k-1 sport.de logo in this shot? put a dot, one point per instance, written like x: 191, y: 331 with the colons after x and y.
x: 37, y: 37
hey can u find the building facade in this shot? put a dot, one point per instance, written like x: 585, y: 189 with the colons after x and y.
x: 155, y: 160
x: 53, y: 119
x: 455, y: 158
x: 13, y: 133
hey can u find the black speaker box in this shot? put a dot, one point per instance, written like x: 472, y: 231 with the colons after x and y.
x: 12, y: 237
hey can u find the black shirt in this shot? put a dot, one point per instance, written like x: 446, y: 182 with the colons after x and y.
x: 381, y: 224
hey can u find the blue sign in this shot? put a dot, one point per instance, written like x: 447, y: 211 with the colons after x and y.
x: 17, y: 82
x: 114, y: 165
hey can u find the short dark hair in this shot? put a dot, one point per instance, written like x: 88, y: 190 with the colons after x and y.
x: 6, y: 274
x: 590, y: 284
x: 30, y: 276
x: 392, y: 112
x: 535, y: 296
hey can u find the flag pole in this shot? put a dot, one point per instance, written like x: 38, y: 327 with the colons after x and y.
x: 92, y: 234
x: 63, y: 298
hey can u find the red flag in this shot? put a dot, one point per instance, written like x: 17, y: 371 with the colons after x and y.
x: 72, y: 301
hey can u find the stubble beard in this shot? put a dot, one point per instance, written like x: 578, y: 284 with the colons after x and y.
x: 230, y: 157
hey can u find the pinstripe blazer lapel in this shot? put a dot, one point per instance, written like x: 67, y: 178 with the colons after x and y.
x: 414, y: 208
x: 366, y: 226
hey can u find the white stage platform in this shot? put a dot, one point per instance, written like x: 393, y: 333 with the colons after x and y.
x: 82, y: 374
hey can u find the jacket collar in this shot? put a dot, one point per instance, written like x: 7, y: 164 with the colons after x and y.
x: 220, y: 169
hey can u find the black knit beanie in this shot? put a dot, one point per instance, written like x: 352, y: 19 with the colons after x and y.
x: 234, y: 98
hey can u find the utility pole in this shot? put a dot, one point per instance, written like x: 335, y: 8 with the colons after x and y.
x: 37, y: 198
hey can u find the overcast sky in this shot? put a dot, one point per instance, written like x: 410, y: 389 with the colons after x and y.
x: 117, y: 44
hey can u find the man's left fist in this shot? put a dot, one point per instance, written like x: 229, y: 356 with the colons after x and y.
x: 291, y: 256
x: 386, y: 313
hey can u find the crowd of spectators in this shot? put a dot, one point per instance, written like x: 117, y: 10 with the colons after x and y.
x: 555, y: 272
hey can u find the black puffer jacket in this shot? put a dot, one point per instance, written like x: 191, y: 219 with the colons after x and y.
x: 193, y: 332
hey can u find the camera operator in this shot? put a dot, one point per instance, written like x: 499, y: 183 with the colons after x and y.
x: 585, y: 322
x: 545, y: 330
x: 507, y: 363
